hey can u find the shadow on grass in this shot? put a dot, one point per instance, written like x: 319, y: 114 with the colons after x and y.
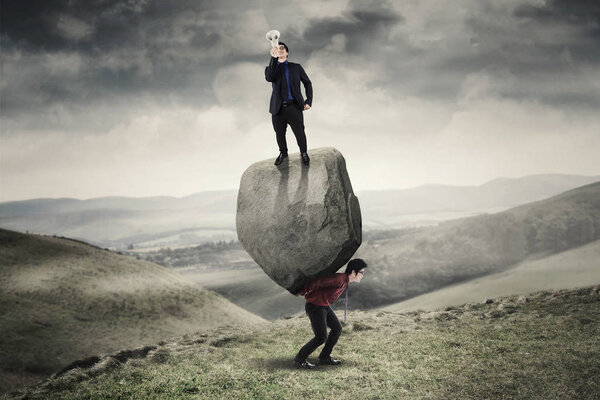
x: 287, y: 363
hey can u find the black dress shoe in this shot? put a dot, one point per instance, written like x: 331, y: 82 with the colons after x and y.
x: 305, y: 158
x: 303, y: 364
x: 329, y: 361
x: 280, y: 158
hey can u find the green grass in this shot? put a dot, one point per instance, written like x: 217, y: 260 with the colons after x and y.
x: 62, y: 300
x: 545, y: 348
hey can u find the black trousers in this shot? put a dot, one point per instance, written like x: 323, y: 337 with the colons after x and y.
x: 292, y: 115
x: 321, y: 317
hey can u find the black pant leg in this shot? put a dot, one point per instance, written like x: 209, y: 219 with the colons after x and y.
x: 318, y: 321
x: 334, y: 334
x: 280, y: 126
x: 295, y: 118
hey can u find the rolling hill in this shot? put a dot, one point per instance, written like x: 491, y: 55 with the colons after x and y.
x: 250, y: 289
x: 569, y: 269
x: 62, y: 300
x: 408, y: 263
x: 116, y: 222
x: 417, y: 261
x: 155, y: 222
x: 545, y: 348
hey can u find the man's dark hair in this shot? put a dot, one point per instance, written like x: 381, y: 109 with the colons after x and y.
x: 286, y: 48
x: 355, y: 265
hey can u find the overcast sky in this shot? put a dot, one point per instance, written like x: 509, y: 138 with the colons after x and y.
x: 140, y: 98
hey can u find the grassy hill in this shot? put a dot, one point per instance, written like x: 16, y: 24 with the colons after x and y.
x: 413, y: 262
x: 250, y: 289
x: 547, y: 347
x: 62, y: 300
x: 408, y: 263
x: 570, y: 269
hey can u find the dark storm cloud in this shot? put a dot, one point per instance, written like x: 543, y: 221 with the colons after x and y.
x: 583, y: 18
x: 543, y: 53
x: 131, y: 48
x: 126, y: 49
x: 535, y: 52
x: 547, y: 49
x: 366, y: 30
x: 582, y: 13
x: 71, y: 56
x: 32, y: 24
x: 360, y: 27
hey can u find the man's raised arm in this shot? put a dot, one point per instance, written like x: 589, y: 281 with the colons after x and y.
x: 271, y: 69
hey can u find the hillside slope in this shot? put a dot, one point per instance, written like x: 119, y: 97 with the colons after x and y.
x: 408, y: 263
x: 418, y: 261
x: 570, y: 269
x: 61, y: 300
x: 545, y: 348
x: 250, y: 289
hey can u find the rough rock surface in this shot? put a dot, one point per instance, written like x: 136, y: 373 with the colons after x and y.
x: 298, y: 222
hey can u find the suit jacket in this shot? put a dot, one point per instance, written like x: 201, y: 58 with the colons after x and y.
x: 275, y: 73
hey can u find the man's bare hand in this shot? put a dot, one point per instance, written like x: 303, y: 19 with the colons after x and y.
x: 274, y: 52
x: 306, y: 107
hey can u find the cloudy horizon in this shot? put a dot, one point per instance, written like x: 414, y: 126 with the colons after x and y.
x: 144, y: 98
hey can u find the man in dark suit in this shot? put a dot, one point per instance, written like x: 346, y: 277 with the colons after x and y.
x: 287, y: 103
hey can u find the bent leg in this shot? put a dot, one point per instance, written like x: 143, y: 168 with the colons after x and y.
x: 318, y: 321
x: 336, y: 329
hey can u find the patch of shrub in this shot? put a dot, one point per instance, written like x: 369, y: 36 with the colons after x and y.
x: 84, y: 363
x: 160, y: 356
x: 358, y: 326
x: 142, y: 352
x: 444, y: 317
x: 224, y: 341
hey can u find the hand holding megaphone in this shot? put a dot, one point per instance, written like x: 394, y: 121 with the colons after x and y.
x: 273, y: 37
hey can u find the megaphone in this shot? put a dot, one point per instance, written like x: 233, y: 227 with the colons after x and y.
x: 273, y: 37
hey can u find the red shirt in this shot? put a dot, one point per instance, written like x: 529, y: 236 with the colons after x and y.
x: 325, y: 290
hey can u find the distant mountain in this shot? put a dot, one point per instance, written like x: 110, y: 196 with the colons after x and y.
x: 210, y: 201
x: 417, y: 261
x: 62, y: 300
x: 434, y: 203
x: 117, y: 222
x: 154, y: 222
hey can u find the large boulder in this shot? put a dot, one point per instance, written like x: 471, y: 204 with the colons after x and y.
x: 298, y: 222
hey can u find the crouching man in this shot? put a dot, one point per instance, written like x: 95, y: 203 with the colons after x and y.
x: 319, y: 295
